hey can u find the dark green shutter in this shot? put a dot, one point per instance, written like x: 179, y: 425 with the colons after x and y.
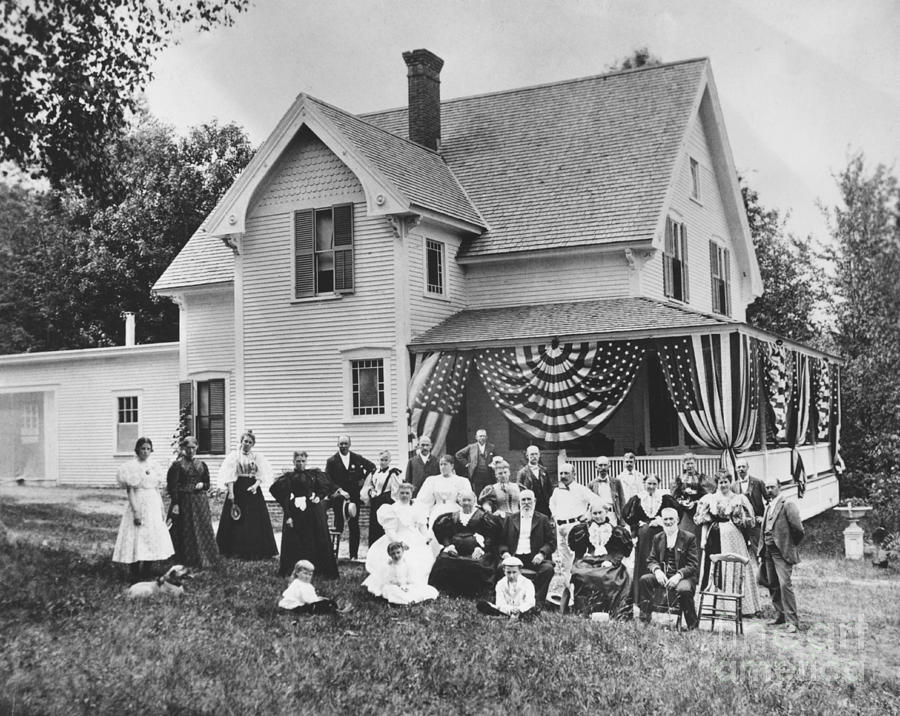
x: 217, y: 417
x: 343, y: 248
x: 304, y: 254
x: 186, y: 407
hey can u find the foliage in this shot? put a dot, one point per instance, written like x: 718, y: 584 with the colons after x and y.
x: 225, y: 646
x: 866, y: 256
x: 73, y: 70
x: 791, y: 283
x: 72, y: 263
x: 640, y: 57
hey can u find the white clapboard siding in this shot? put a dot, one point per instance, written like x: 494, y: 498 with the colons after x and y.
x: 427, y: 310
x: 294, y: 378
x: 83, y: 386
x: 705, y: 220
x: 547, y: 280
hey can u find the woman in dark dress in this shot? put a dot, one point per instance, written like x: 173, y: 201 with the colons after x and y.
x: 187, y: 483
x: 305, y: 532
x: 246, y: 532
x: 642, y: 513
x: 688, y: 490
x: 600, y: 581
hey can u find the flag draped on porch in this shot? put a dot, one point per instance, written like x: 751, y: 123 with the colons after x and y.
x: 821, y: 380
x: 798, y: 417
x: 435, y: 395
x: 713, y: 383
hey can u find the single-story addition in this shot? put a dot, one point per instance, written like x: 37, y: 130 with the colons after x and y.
x: 567, y: 264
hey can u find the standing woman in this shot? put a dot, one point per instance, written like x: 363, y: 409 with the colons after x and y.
x: 143, y: 536
x: 377, y: 490
x: 188, y: 482
x: 245, y: 530
x: 642, y: 513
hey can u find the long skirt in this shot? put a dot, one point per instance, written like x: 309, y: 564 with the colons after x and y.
x: 732, y: 541
x: 149, y: 541
x: 375, y: 528
x: 251, y: 536
x: 596, y: 588
x: 645, y: 537
x: 462, y: 576
x: 192, y: 533
x: 308, y: 539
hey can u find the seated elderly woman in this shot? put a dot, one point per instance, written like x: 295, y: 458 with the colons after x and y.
x: 465, y: 565
x: 601, y: 582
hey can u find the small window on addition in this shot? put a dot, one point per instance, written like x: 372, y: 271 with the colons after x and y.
x: 695, y: 179
x: 368, y: 386
x: 434, y: 264
x: 127, y: 423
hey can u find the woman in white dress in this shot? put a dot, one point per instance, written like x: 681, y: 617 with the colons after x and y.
x: 439, y: 492
x: 402, y: 522
x: 143, y: 536
x: 723, y: 515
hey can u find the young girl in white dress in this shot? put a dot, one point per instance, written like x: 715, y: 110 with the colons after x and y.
x: 397, y: 582
x: 143, y: 536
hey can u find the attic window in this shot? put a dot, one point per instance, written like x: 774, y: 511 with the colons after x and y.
x: 323, y: 251
x: 695, y: 179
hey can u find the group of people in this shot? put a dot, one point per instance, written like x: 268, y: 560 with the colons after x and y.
x: 617, y: 541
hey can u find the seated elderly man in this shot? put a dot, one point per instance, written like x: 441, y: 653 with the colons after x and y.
x: 468, y: 557
x: 673, y: 564
x: 529, y: 536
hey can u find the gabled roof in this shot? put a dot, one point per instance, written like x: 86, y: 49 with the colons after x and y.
x: 582, y: 320
x: 575, y: 163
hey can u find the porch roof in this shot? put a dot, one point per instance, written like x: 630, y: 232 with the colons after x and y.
x: 606, y: 319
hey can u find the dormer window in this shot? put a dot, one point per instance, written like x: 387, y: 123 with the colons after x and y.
x: 675, y: 276
x: 323, y: 251
x: 695, y: 179
x: 720, y: 271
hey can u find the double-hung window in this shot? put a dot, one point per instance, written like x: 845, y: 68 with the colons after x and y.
x: 128, y: 422
x: 720, y: 272
x: 323, y: 251
x: 675, y: 275
x: 367, y: 378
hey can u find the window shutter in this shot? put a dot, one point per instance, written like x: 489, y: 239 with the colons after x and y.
x: 186, y: 406
x: 685, y: 296
x: 726, y: 279
x: 714, y: 275
x: 343, y: 248
x: 217, y: 417
x: 304, y: 254
x: 668, y: 252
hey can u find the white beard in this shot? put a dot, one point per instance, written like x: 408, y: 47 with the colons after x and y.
x: 670, y: 531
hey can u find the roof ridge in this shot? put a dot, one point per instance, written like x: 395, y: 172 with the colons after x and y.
x: 544, y: 85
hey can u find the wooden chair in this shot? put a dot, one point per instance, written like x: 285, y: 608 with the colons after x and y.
x: 335, y: 542
x: 723, y: 597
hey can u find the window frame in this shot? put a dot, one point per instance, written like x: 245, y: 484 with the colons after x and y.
x: 349, y: 356
x: 429, y: 245
x: 675, y: 261
x: 305, y: 253
x: 118, y: 395
x: 696, y: 180
x: 192, y: 385
x: 720, y: 278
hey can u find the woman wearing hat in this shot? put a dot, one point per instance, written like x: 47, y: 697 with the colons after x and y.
x: 245, y: 530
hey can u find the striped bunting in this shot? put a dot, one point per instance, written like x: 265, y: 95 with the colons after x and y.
x: 435, y: 396
x: 560, y: 392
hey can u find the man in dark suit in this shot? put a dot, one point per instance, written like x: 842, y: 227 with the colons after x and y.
x: 608, y: 489
x: 754, y: 490
x: 421, y: 465
x: 674, y: 564
x: 782, y: 533
x: 478, y: 457
x: 535, y: 477
x: 468, y: 557
x: 529, y: 536
x: 348, y: 470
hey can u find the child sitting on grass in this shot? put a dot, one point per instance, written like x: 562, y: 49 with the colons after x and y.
x: 514, y: 593
x: 394, y: 580
x: 300, y: 597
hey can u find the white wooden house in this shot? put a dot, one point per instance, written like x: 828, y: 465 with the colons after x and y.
x: 356, y: 253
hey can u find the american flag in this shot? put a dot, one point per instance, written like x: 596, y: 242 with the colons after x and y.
x: 822, y: 382
x: 560, y: 392
x: 778, y: 384
x: 798, y: 420
x: 436, y: 392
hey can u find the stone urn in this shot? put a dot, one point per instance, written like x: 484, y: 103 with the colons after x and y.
x: 853, y: 534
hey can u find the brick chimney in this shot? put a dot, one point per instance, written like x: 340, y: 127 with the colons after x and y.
x: 424, y: 73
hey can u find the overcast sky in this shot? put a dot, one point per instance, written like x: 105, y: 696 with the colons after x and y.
x: 802, y: 83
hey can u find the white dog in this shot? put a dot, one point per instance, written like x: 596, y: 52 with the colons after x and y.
x: 168, y: 584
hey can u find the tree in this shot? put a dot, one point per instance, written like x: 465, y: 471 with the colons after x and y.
x: 71, y: 72
x: 791, y: 285
x: 74, y: 263
x: 866, y: 254
x: 640, y: 57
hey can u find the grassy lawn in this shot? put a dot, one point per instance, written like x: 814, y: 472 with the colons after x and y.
x: 70, y: 643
